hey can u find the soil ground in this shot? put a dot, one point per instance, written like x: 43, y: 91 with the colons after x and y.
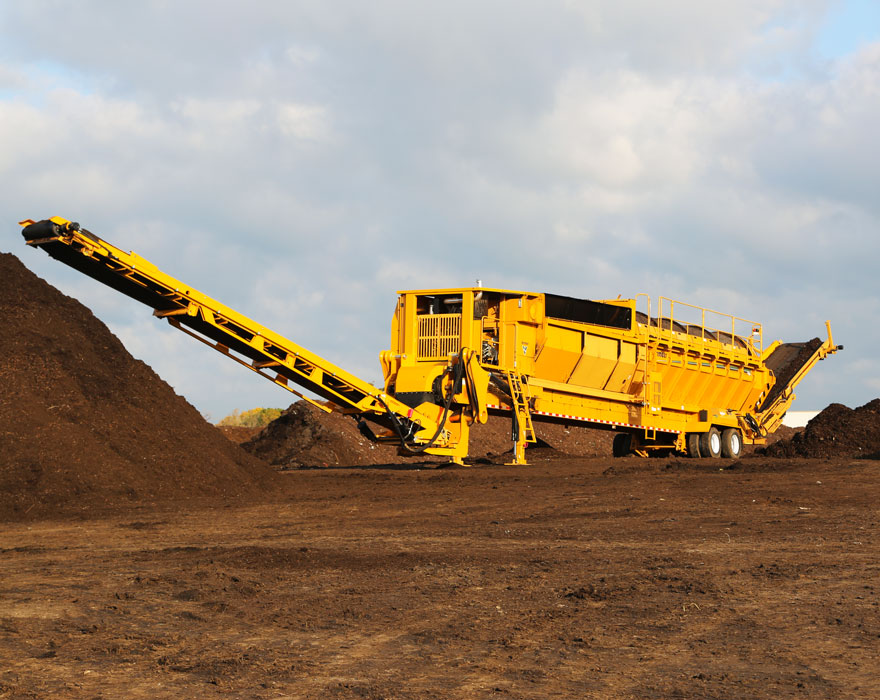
x: 143, y: 555
x: 586, y: 578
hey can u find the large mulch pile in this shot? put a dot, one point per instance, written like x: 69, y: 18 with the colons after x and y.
x: 838, y: 431
x: 85, y: 427
x: 239, y: 433
x: 305, y: 436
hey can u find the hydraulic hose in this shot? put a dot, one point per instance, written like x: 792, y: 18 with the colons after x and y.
x: 475, y: 399
x: 456, y: 371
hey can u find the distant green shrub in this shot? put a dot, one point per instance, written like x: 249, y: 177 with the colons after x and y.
x: 254, y: 418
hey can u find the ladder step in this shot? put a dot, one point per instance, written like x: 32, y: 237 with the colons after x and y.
x: 520, y: 401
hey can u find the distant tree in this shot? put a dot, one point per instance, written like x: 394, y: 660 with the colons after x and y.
x: 254, y: 418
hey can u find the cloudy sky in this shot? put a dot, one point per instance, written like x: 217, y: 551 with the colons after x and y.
x: 303, y: 161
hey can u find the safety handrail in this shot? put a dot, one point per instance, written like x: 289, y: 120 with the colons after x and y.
x: 671, y: 319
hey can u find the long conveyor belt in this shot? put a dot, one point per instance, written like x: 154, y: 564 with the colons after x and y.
x: 790, y: 363
x: 260, y: 349
x: 786, y: 361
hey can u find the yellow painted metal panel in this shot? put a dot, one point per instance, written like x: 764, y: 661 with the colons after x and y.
x: 622, y: 374
x: 559, y: 354
x: 597, y: 363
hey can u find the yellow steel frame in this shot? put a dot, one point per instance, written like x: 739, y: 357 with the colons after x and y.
x: 252, y: 345
x: 681, y: 378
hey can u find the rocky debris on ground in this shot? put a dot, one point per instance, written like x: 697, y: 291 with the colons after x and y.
x: 85, y: 427
x: 838, y: 431
x: 306, y: 436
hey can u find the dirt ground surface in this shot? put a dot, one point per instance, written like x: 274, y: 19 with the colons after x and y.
x: 144, y: 555
x: 586, y: 578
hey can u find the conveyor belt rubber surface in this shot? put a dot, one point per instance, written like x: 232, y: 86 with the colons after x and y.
x: 785, y: 362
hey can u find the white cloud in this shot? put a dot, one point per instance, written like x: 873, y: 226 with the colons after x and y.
x: 303, y: 162
x: 305, y: 122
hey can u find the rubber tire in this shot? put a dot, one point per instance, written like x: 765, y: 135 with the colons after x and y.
x: 731, y: 443
x: 622, y: 445
x: 693, y: 445
x: 710, y: 443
